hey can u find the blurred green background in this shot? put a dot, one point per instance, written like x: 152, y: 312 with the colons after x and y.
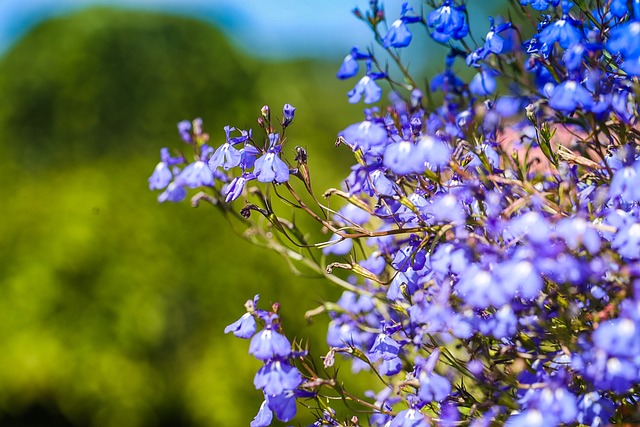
x: 112, y: 307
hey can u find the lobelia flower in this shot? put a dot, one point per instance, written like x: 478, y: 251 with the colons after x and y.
x: 483, y: 83
x: 340, y: 247
x: 288, y: 111
x: 269, y: 344
x: 626, y: 183
x: 540, y: 4
x: 270, y: 167
x: 401, y: 158
x: 174, y: 193
x: 276, y: 376
x: 448, y: 22
x: 283, y: 405
x: 410, y: 418
x: 264, y: 417
x: 234, y: 189
x: 398, y: 34
x: 248, y: 156
x: 162, y: 175
x: 368, y: 87
x: 433, y: 387
x: 619, y: 8
x: 368, y: 136
x: 244, y: 327
x: 494, y: 43
x: 226, y: 155
x: 184, y: 129
x: 569, y: 95
x: 350, y: 66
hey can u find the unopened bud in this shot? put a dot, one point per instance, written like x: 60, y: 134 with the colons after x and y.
x: 266, y: 113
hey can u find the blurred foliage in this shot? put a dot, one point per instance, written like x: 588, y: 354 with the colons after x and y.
x: 112, y: 307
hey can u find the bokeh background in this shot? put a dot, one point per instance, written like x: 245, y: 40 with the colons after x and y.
x: 112, y: 306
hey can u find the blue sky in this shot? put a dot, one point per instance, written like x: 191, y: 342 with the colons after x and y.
x: 266, y: 28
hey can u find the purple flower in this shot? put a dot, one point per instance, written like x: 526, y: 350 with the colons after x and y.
x: 270, y: 167
x: 410, y: 418
x: 196, y: 174
x: 244, y: 327
x: 338, y: 246
x: 626, y: 183
x: 264, y: 416
x: 174, y: 193
x: 283, y: 405
x: 161, y: 177
x: 234, y: 189
x: 184, y: 129
x: 495, y: 43
x: 401, y: 158
x: 433, y: 387
x: 288, y: 111
x: 276, y: 376
x: 564, y: 31
x: 368, y: 87
x: 367, y: 136
x: 268, y: 344
x: 622, y: 40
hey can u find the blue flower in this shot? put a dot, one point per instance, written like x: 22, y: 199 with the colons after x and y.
x: 569, y: 95
x: 448, y: 21
x: 264, y: 416
x: 529, y: 418
x: 284, y: 405
x: 248, y: 156
x: 410, y: 418
x: 196, y: 174
x: 184, y: 129
x: 626, y: 183
x: 226, y: 155
x: 270, y: 167
x: 366, y: 136
x: 594, y: 410
x: 338, y: 246
x: 564, y: 31
x: 434, y: 152
x: 350, y: 66
x: 401, y: 158
x: 288, y: 112
x: 244, y: 327
x: 268, y: 344
x: 398, y: 34
x: 234, y: 189
x: 433, y: 387
x: 540, y: 4
x: 623, y: 40
x: 483, y: 83
x: 619, y: 8
x: 276, y: 376
x: 368, y: 87
x: 174, y: 193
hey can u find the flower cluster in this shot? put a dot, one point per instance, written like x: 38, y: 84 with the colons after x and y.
x: 241, y: 152
x: 493, y: 235
x: 278, y: 378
